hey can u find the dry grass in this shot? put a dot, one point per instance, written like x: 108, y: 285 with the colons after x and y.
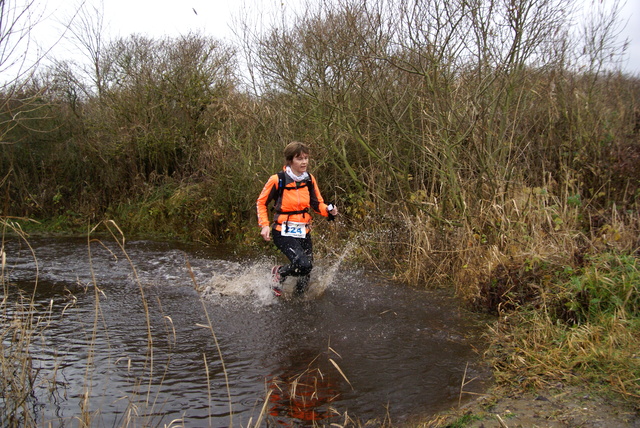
x: 20, y: 326
x: 561, y: 276
x: 580, y: 324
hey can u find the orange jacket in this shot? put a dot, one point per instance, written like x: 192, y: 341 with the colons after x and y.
x: 296, y: 200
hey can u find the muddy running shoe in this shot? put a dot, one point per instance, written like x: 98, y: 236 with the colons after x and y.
x: 277, y: 279
x: 276, y: 290
x: 275, y: 274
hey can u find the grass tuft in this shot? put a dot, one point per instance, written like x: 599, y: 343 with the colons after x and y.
x: 587, y: 329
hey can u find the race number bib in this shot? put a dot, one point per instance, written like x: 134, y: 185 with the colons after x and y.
x: 293, y: 229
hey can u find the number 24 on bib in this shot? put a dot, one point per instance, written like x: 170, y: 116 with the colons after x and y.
x: 293, y: 229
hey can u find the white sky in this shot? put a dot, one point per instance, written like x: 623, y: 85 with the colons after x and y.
x: 158, y: 18
x: 154, y: 18
x: 162, y: 17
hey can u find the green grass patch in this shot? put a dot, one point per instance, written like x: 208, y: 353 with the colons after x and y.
x: 587, y: 330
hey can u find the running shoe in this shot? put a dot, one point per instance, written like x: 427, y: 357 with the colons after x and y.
x: 275, y: 274
x: 277, y: 279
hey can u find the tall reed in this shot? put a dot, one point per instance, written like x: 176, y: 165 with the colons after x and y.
x: 21, y: 324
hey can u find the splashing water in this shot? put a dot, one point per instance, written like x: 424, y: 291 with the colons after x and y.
x: 331, y: 271
x: 254, y: 279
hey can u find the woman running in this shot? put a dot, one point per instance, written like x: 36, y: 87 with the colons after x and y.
x: 294, y: 191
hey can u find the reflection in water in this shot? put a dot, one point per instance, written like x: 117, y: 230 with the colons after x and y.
x: 301, y: 396
x: 354, y: 345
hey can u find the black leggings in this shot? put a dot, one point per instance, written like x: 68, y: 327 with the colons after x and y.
x: 299, y: 251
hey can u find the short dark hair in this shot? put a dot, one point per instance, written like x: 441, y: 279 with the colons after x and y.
x: 294, y: 149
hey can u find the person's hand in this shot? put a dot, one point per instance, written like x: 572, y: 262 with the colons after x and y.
x: 266, y: 233
x: 334, y: 211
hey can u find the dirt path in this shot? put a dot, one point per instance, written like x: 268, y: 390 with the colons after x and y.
x: 562, y: 407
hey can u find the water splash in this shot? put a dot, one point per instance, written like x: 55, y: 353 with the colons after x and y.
x: 332, y: 271
x: 253, y: 279
x: 325, y: 273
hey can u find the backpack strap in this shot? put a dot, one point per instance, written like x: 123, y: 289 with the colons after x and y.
x: 280, y: 186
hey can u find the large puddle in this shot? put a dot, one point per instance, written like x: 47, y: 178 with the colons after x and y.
x: 356, y: 348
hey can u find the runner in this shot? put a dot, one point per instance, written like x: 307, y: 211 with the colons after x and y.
x: 294, y: 190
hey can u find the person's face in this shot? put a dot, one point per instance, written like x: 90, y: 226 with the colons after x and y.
x: 299, y: 163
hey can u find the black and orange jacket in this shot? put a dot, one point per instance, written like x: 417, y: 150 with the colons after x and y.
x: 297, y: 198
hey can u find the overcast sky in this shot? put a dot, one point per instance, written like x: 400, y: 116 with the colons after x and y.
x: 158, y: 18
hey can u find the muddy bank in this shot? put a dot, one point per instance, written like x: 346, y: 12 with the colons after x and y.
x: 553, y: 407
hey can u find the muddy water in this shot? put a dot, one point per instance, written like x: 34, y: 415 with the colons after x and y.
x: 355, y: 346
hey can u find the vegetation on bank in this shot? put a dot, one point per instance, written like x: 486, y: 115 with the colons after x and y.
x: 586, y: 327
x: 482, y: 145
